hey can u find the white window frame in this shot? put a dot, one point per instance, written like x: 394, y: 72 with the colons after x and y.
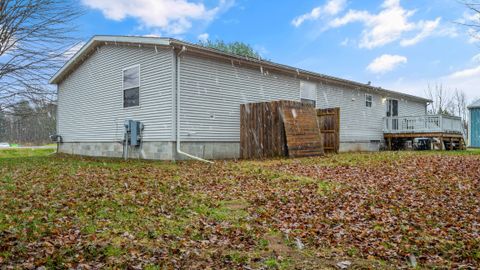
x: 398, y: 106
x: 307, y: 98
x: 366, y: 100
x: 139, y: 87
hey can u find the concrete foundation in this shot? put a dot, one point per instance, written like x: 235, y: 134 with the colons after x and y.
x: 210, y: 150
x: 154, y: 150
x: 360, y: 146
x: 167, y: 150
x: 148, y: 150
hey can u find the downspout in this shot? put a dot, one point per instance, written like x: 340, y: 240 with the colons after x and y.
x: 179, y: 151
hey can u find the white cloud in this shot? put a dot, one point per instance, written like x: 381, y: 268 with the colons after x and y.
x: 203, y: 37
x: 331, y: 8
x: 345, y: 42
x: 386, y: 63
x: 171, y: 16
x: 476, y: 58
x: 426, y: 29
x: 153, y: 35
x: 469, y: 17
x: 391, y: 24
x: 465, y: 73
x: 351, y: 16
x: 474, y: 36
x: 466, y: 79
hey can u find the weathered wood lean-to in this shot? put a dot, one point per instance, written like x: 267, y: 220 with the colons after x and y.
x: 279, y: 128
x: 301, y: 129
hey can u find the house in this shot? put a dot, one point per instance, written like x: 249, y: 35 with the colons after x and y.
x: 474, y: 124
x: 188, y: 99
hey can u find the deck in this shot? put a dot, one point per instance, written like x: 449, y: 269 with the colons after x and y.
x: 443, y: 127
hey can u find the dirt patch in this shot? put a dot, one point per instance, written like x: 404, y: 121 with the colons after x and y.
x: 236, y: 205
x: 277, y: 245
x: 296, y: 258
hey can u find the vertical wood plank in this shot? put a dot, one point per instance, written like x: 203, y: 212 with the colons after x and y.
x: 329, y: 122
x: 279, y: 128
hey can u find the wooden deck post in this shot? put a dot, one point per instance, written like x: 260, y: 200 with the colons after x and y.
x: 438, y: 139
x: 441, y: 128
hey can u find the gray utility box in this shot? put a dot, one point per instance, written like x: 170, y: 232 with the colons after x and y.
x: 133, y: 132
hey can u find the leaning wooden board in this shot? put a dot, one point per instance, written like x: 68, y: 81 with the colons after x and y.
x: 301, y: 129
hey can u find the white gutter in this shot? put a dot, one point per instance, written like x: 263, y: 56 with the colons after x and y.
x: 179, y: 151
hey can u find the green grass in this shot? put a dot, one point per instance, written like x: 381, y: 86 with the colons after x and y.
x: 25, y: 152
x: 230, y: 211
x: 273, y: 263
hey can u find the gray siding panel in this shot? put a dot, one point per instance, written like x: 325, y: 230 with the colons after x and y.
x: 212, y: 91
x: 359, y: 123
x: 91, y: 98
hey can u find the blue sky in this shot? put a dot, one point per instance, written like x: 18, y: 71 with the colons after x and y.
x: 401, y: 45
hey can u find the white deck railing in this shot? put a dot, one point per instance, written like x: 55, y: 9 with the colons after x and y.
x: 423, y: 124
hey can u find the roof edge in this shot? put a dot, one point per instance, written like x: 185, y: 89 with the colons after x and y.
x: 97, y: 39
x: 174, y: 42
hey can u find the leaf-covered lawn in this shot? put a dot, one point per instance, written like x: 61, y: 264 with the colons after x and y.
x: 379, y: 210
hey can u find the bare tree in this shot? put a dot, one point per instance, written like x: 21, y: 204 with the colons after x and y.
x: 442, y: 100
x: 34, y: 35
x: 473, y: 21
x: 28, y: 123
x: 460, y: 102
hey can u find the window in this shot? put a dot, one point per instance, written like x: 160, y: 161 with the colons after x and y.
x: 308, y: 92
x: 368, y: 100
x: 392, y: 107
x: 131, y: 87
x: 392, y: 111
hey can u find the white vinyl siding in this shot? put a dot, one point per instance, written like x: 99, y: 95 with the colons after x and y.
x: 408, y: 107
x: 90, y: 100
x: 359, y: 123
x: 308, y: 92
x: 212, y: 91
